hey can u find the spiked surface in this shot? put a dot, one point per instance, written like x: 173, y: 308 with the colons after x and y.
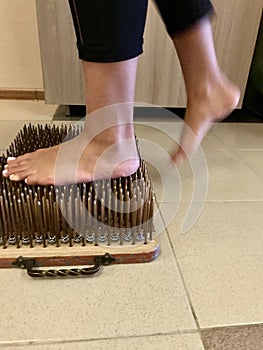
x: 109, y: 212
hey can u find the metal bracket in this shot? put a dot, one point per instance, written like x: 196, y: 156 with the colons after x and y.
x: 29, y: 265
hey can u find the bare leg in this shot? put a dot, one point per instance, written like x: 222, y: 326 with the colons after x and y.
x: 107, y: 138
x: 210, y: 95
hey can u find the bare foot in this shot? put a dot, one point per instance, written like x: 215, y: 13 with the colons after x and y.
x: 202, y: 111
x: 113, y: 153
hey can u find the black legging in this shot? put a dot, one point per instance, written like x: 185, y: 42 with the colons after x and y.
x: 112, y: 30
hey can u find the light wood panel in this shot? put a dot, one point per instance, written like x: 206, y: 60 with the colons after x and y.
x: 159, y: 78
x: 235, y: 33
x: 235, y: 28
x: 20, y: 65
x: 62, y: 71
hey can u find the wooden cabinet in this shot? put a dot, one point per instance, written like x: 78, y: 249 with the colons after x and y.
x: 159, y: 78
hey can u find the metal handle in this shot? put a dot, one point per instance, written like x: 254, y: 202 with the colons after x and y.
x: 29, y: 264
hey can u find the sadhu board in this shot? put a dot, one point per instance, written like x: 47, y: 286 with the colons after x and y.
x: 104, y: 222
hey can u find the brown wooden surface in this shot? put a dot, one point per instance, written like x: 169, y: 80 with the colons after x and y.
x: 66, y: 256
x: 22, y: 94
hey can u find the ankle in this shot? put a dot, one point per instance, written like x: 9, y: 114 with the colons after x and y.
x: 211, y: 91
x: 202, y: 89
x: 115, y: 134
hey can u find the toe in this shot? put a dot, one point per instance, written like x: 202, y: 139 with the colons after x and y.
x: 35, y: 179
x: 17, y: 161
x: 15, y: 166
x: 14, y: 177
x: 29, y: 181
x: 10, y: 160
x: 17, y: 177
x: 32, y: 180
x: 5, y: 173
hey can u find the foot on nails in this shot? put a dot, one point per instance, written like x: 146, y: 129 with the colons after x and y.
x: 78, y: 160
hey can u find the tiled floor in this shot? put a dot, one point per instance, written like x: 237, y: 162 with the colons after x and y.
x: 205, y: 291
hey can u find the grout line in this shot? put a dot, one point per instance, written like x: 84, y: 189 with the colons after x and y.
x: 247, y: 165
x: 199, y: 328
x: 61, y: 341
x: 244, y: 325
x: 183, y: 281
x: 186, y: 290
x: 248, y: 149
x: 229, y: 148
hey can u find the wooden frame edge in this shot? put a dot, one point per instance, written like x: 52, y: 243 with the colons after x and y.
x: 22, y: 94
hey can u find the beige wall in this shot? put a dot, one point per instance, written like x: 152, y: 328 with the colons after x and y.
x: 20, y: 65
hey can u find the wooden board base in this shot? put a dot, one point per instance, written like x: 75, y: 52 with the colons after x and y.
x: 71, y: 256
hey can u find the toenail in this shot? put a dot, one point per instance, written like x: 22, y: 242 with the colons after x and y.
x: 11, y: 158
x: 6, y: 166
x: 13, y: 177
x: 4, y: 172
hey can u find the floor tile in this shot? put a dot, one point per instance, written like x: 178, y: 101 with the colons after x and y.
x: 123, y: 300
x: 234, y: 338
x: 240, y: 136
x: 212, y: 143
x: 167, y: 135
x: 219, y: 175
x: 253, y: 159
x: 155, y: 342
x: 231, y: 179
x: 175, y: 217
x: 222, y: 263
x: 170, y: 183
x: 26, y: 110
x: 220, y: 257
